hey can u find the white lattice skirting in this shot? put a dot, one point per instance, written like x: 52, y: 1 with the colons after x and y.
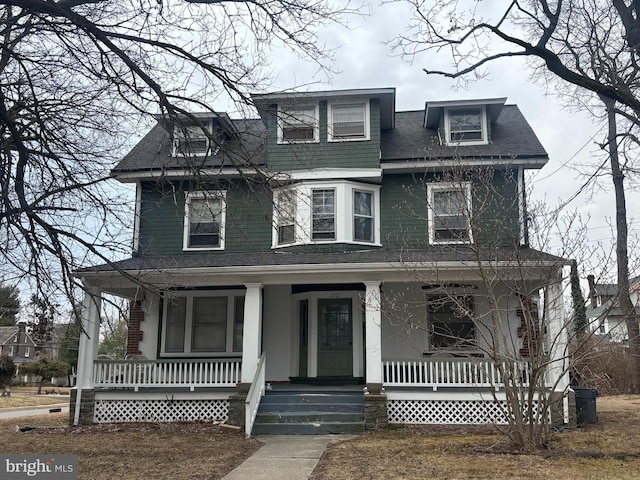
x: 118, y: 411
x: 447, y: 412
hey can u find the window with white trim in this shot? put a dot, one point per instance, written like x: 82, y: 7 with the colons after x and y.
x: 363, y: 216
x: 348, y: 121
x: 286, y: 216
x: 204, y: 220
x: 27, y: 352
x: 449, y: 212
x: 326, y: 212
x: 451, y: 326
x: 466, y: 125
x: 298, y: 124
x: 199, y: 322
x: 193, y: 140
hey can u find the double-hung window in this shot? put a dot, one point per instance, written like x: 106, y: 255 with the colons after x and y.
x: 466, y: 125
x: 348, y: 122
x: 286, y: 215
x: 363, y: 219
x: 204, y: 220
x: 449, y: 213
x: 197, y: 323
x: 299, y: 124
x: 324, y: 214
x: 192, y: 140
x: 451, y: 326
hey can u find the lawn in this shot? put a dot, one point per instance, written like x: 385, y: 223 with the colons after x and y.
x: 609, y: 449
x: 25, y: 397
x: 132, y: 451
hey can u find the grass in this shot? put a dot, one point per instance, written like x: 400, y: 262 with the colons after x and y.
x: 609, y: 449
x: 25, y: 397
x: 132, y: 451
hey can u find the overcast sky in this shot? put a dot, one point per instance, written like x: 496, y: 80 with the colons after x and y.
x: 364, y: 61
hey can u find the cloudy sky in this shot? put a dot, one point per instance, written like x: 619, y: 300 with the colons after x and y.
x: 364, y: 61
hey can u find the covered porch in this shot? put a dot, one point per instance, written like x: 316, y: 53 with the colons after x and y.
x: 318, y: 323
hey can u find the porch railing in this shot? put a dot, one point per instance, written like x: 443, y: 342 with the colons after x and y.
x: 166, y: 373
x: 453, y: 372
x: 256, y: 391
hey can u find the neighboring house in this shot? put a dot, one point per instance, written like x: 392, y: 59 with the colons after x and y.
x: 312, y: 246
x: 17, y: 343
x: 603, y: 312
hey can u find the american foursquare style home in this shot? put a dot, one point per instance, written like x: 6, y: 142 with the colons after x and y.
x: 331, y: 265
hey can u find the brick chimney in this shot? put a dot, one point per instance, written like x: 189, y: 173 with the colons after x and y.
x: 592, y: 290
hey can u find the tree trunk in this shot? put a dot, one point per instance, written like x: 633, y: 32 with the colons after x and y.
x: 622, y: 256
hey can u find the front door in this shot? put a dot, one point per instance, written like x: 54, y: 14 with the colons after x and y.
x: 335, y: 338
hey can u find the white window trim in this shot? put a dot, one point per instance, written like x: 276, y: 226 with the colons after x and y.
x: 367, y: 123
x: 178, y: 133
x: 344, y: 225
x: 484, y: 125
x: 218, y: 194
x: 188, y: 324
x: 439, y: 187
x: 27, y: 352
x: 316, y: 125
x: 277, y: 212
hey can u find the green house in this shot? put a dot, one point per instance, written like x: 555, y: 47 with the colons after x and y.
x: 332, y: 244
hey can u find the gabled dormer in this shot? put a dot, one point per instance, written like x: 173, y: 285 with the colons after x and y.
x: 463, y: 122
x: 201, y: 134
x: 327, y: 129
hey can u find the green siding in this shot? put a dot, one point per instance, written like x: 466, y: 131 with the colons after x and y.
x: 403, y: 214
x: 248, y: 217
x: 324, y: 154
x: 404, y: 208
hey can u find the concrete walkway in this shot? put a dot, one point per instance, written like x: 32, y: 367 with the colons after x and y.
x: 34, y: 411
x: 284, y: 457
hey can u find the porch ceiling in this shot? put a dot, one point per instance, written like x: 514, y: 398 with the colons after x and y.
x: 280, y: 267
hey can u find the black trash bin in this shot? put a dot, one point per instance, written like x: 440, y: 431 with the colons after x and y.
x: 586, y: 405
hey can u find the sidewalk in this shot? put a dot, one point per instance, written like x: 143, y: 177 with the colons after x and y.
x: 284, y: 457
x: 28, y: 412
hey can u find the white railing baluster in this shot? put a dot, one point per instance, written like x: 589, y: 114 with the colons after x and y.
x: 161, y: 373
x: 454, y: 372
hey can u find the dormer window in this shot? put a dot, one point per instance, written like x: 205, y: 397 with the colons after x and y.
x: 193, y: 140
x: 348, y: 121
x: 298, y: 124
x: 466, y: 126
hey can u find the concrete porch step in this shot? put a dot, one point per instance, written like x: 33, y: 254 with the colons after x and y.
x: 310, y: 413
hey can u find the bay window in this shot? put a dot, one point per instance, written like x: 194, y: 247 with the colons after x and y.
x: 326, y: 212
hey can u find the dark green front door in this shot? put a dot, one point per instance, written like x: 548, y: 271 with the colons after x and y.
x: 335, y: 338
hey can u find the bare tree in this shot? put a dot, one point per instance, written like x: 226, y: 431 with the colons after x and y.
x: 587, y: 49
x: 78, y: 80
x: 504, y: 307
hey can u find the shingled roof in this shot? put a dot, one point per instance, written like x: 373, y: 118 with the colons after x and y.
x: 511, y: 137
x: 154, y: 152
x: 431, y: 255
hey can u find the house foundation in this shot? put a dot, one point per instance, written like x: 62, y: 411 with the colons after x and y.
x: 237, y: 405
x: 87, y: 406
x: 375, y: 408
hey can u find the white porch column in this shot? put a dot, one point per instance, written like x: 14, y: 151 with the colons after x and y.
x: 558, y: 372
x: 88, y: 347
x: 373, y: 337
x: 87, y: 352
x: 252, y: 331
